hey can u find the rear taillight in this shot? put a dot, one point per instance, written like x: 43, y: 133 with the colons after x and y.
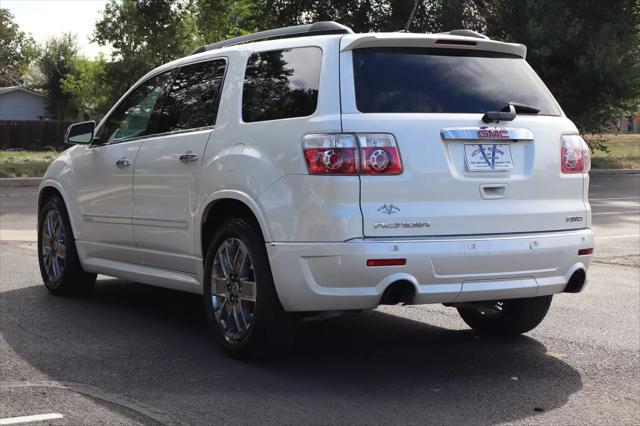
x: 331, y: 154
x: 379, y: 154
x: 352, y: 154
x: 574, y: 155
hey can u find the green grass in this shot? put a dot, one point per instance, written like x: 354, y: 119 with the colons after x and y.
x: 623, y: 153
x: 25, y: 163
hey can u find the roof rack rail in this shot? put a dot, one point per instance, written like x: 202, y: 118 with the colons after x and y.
x: 317, y: 28
x: 466, y: 33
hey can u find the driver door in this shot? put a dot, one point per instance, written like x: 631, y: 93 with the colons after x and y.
x: 104, y: 174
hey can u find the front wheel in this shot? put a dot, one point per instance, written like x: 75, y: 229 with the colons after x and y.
x: 506, y: 317
x: 241, y: 302
x: 60, y: 266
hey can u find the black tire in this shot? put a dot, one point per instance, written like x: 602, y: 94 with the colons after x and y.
x: 271, y: 330
x: 508, y: 317
x: 70, y: 278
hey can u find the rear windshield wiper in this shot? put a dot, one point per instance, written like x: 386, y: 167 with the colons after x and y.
x: 523, y: 108
x: 508, y: 113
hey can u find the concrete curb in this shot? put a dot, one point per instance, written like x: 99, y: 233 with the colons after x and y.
x: 19, y: 182
x: 614, y: 171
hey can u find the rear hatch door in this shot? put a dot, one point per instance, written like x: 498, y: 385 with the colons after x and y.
x: 461, y: 176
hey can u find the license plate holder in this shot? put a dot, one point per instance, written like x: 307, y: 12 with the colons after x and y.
x: 488, y: 157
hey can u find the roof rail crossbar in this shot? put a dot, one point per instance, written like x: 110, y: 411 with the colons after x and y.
x: 467, y: 33
x: 317, y: 28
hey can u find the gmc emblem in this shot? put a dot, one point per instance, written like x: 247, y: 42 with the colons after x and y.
x: 493, y: 134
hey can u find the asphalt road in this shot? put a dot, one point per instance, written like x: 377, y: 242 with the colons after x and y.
x: 133, y: 354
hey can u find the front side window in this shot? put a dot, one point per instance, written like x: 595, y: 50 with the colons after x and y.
x: 435, y: 80
x: 131, y: 117
x: 281, y: 84
x: 192, y: 101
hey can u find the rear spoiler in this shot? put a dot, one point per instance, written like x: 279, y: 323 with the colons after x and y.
x: 363, y: 41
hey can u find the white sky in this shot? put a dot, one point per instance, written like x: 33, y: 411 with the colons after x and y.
x: 45, y: 18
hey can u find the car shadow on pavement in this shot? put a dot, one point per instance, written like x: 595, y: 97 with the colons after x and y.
x: 153, y: 345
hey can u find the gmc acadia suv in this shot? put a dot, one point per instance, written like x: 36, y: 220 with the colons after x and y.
x: 310, y: 169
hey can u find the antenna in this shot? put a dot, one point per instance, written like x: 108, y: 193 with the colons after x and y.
x: 410, y: 20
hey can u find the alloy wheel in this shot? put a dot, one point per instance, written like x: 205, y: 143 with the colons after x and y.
x: 233, y: 292
x: 53, y: 245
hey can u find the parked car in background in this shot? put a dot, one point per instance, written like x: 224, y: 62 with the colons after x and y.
x: 311, y: 169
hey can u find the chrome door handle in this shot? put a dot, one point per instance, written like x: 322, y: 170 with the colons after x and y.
x: 188, y: 156
x: 123, y: 162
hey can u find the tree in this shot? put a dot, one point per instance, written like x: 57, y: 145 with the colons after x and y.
x: 587, y: 52
x: 56, y: 62
x: 87, y: 88
x: 144, y: 34
x: 17, y: 50
x: 220, y: 19
x: 377, y: 15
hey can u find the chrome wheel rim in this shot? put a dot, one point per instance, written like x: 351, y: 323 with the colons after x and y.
x: 53, y: 245
x: 233, y: 290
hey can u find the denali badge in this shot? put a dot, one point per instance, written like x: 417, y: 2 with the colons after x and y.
x: 574, y: 219
x: 388, y: 209
x: 385, y: 225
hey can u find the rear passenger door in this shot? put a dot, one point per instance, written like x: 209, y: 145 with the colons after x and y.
x: 168, y: 167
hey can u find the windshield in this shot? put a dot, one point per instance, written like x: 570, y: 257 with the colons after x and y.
x: 433, y: 80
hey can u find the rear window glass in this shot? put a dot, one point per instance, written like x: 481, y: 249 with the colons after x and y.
x: 281, y: 84
x: 193, y: 99
x: 424, y: 80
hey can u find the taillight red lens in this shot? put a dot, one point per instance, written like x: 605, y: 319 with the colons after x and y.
x: 379, y: 155
x: 574, y: 155
x: 323, y: 161
x: 331, y: 154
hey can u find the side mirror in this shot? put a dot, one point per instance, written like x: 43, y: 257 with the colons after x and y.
x: 80, y: 133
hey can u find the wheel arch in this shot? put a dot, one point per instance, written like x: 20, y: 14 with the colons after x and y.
x: 222, y: 205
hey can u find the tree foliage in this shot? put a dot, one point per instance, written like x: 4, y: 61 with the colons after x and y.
x: 143, y: 35
x: 221, y: 19
x: 88, y: 87
x: 587, y: 52
x: 57, y: 60
x: 17, y: 50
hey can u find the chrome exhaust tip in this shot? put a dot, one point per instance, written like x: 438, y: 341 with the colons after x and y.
x: 576, y: 282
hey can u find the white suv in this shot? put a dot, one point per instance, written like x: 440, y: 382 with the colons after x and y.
x: 310, y: 169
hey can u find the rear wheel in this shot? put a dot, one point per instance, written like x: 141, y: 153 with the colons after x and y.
x: 241, y: 302
x: 57, y: 256
x: 507, y: 317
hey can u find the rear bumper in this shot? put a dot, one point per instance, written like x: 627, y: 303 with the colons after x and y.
x: 335, y: 276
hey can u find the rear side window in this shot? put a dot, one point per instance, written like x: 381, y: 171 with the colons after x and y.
x: 192, y: 101
x: 432, y: 80
x: 281, y: 84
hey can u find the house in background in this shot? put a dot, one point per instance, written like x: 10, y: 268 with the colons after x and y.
x: 20, y: 104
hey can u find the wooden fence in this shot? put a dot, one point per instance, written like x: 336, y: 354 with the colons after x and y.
x: 33, y: 135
